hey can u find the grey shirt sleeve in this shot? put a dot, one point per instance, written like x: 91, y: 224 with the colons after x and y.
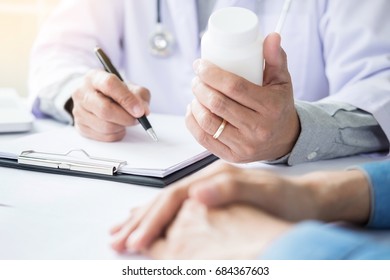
x: 333, y: 129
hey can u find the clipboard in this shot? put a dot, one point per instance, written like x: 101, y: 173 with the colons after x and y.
x: 142, y: 161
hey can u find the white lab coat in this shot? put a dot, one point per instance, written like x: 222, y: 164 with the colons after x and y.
x: 337, y: 50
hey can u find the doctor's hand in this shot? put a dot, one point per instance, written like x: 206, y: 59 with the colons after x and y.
x: 261, y: 121
x: 103, y: 106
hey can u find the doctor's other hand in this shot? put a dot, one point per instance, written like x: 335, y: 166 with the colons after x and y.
x: 103, y: 106
x: 262, y: 122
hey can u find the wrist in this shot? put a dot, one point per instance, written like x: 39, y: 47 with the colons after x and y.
x: 340, y: 195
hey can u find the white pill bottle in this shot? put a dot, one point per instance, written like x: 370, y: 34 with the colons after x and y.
x: 234, y: 43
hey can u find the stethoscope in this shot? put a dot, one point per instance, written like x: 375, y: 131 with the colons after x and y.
x: 161, y: 41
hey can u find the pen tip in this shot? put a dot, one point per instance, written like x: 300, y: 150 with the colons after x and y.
x: 152, y: 134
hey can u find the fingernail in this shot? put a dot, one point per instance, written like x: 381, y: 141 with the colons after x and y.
x: 195, y: 66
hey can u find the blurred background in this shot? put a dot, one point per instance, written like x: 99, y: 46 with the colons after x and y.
x: 19, y: 23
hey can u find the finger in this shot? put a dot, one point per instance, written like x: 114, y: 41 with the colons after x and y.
x: 159, y: 250
x: 151, y: 221
x: 206, y: 140
x: 221, y: 105
x: 276, y: 70
x: 115, y: 229
x: 133, y: 212
x: 210, y: 123
x: 106, y: 109
x: 89, y: 132
x: 112, y: 87
x: 163, y: 211
x: 158, y: 217
x: 190, y: 218
x: 127, y: 228
x: 235, y: 87
x: 120, y: 237
x: 219, y: 188
x: 86, y: 118
x: 231, y: 184
x: 143, y: 94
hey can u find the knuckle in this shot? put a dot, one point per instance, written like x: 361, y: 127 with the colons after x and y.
x: 236, y: 86
x: 203, y: 120
x: 217, y: 104
x: 224, y: 167
x: 77, y: 95
x: 172, y: 195
x: 242, y: 156
x: 104, y: 110
x: 127, y: 101
x: 108, y: 82
x: 202, y: 138
x: 143, y: 92
x: 231, y: 187
x: 247, y: 152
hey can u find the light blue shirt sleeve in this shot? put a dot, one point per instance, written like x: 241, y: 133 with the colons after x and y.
x: 378, y: 174
x: 317, y: 241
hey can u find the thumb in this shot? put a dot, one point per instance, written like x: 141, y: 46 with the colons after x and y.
x: 275, y: 71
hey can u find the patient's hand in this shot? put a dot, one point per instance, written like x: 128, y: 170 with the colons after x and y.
x: 217, y: 185
x: 326, y: 196
x: 233, y: 232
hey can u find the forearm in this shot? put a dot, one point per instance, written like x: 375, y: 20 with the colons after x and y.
x: 339, y: 195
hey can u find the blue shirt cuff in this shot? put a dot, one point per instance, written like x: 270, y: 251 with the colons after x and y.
x: 378, y: 174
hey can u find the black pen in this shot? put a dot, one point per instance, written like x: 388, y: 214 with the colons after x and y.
x: 109, y: 67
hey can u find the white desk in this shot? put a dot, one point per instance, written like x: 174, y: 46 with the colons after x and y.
x: 45, y: 216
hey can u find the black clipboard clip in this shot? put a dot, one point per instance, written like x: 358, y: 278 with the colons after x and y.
x: 70, y: 161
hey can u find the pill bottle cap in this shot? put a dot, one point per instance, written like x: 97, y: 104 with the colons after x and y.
x: 233, y: 27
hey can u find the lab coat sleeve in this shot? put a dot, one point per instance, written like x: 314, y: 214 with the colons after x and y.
x: 317, y: 241
x: 356, y: 44
x: 63, y: 51
x: 354, y: 118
